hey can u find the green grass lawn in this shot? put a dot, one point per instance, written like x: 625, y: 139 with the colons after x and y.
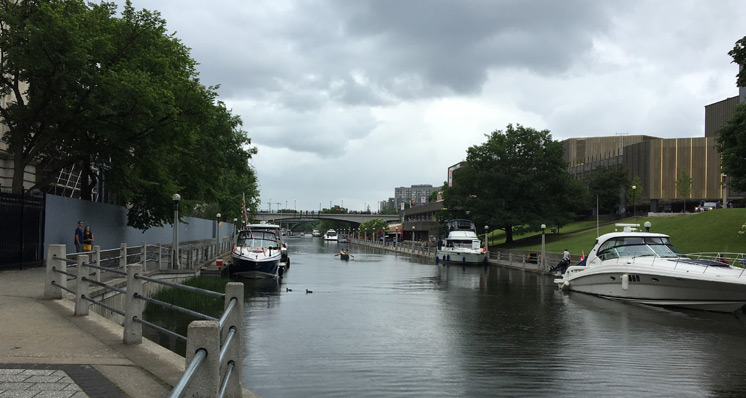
x: 713, y: 231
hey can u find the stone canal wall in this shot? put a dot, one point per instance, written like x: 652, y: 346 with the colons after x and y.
x: 521, y: 259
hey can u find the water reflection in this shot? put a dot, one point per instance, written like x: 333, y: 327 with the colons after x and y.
x: 386, y: 324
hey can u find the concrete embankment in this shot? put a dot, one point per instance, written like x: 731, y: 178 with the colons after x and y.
x: 527, y: 260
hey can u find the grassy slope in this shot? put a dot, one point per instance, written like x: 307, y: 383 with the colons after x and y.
x: 713, y: 231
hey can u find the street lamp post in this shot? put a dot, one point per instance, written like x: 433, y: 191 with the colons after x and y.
x: 634, y: 200
x: 175, y: 247
x: 217, y: 234
x: 486, y: 241
x: 233, y: 235
x: 647, y: 226
x: 543, y: 246
x: 412, y: 238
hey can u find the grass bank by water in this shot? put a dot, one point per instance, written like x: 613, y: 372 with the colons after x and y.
x: 712, y: 231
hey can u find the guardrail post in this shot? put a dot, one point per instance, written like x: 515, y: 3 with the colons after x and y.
x: 144, y: 255
x: 133, y: 306
x: 56, y: 255
x: 234, y: 319
x: 81, y: 304
x: 97, y: 261
x: 123, y: 255
x: 206, y: 379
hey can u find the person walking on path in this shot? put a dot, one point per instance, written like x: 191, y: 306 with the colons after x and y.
x: 79, y: 237
x: 87, y: 239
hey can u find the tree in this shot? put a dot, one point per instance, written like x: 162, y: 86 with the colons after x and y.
x: 375, y: 225
x: 119, y: 99
x: 684, y: 186
x: 515, y: 179
x: 605, y: 184
x: 738, y: 53
x: 731, y: 139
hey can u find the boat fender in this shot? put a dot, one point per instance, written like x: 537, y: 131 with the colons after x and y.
x: 436, y: 260
x: 463, y: 260
x: 449, y: 257
x: 625, y: 282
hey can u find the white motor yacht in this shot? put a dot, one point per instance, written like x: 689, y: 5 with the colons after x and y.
x: 646, y: 268
x: 462, y: 244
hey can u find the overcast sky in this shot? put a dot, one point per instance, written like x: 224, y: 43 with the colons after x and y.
x: 348, y: 99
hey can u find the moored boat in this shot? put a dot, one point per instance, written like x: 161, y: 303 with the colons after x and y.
x: 257, y: 255
x: 315, y: 233
x: 462, y: 245
x: 343, y: 238
x: 330, y: 235
x: 646, y: 268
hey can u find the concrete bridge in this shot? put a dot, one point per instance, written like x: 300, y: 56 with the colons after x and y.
x: 298, y: 217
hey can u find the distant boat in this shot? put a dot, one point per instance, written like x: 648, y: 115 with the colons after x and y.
x: 343, y: 238
x: 330, y: 235
x: 315, y: 233
x: 344, y: 255
x: 462, y: 244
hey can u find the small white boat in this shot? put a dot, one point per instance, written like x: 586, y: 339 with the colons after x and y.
x: 646, y: 268
x: 315, y: 233
x: 462, y: 244
x: 330, y: 235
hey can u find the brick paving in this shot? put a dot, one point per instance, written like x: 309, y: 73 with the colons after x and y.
x: 54, y: 381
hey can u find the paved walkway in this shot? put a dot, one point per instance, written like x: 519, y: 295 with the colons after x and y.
x: 45, y: 351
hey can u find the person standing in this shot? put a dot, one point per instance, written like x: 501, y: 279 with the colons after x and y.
x: 87, y: 239
x: 79, y: 237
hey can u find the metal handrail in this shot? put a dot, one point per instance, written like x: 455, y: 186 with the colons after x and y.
x: 62, y: 287
x: 227, y: 343
x: 54, y: 269
x: 95, y: 282
x: 158, y: 328
x: 199, y: 357
x: 228, y: 373
x: 107, y: 269
x: 227, y: 312
x: 175, y: 307
x: 67, y: 260
x: 108, y: 307
x: 192, y: 289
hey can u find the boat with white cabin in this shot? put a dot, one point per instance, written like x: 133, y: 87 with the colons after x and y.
x: 462, y: 245
x: 257, y: 255
x: 644, y: 267
x: 330, y: 235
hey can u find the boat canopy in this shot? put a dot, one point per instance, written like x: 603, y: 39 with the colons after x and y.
x: 257, y: 239
x: 461, y: 225
x: 637, y: 246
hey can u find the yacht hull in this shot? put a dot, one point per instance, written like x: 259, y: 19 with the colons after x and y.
x: 720, y: 293
x: 461, y: 256
x: 244, y: 266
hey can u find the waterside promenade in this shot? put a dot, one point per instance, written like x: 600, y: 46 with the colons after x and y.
x: 47, y: 351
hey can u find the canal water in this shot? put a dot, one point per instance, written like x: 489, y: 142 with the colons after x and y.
x: 390, y: 325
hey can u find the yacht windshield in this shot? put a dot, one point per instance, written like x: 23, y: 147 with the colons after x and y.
x: 258, y: 239
x: 461, y: 244
x: 634, y: 246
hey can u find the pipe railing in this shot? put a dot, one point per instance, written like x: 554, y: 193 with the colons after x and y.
x: 214, y: 346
